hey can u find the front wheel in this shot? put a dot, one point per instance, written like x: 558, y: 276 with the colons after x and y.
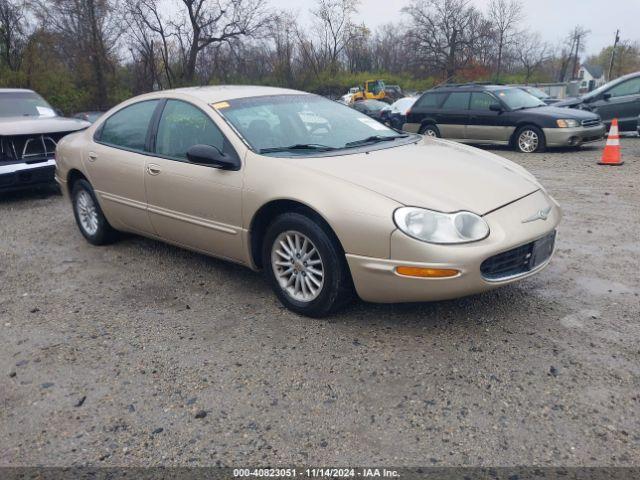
x: 305, y: 266
x: 430, y: 131
x: 89, y: 216
x: 530, y: 139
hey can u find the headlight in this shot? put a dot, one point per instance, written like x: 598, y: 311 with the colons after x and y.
x: 568, y: 123
x: 442, y: 228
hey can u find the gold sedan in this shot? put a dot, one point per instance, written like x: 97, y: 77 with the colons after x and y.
x: 325, y: 200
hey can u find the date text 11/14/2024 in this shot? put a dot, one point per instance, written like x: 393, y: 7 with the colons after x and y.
x: 316, y: 473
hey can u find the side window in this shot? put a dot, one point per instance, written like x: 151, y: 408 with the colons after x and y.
x: 128, y: 127
x: 431, y: 100
x: 457, y: 101
x: 630, y: 87
x: 481, y: 101
x: 182, y: 126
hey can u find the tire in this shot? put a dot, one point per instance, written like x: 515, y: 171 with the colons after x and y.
x: 530, y: 139
x: 89, y: 216
x: 333, y: 289
x: 430, y: 131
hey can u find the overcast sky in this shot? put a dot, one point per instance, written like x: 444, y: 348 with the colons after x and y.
x: 552, y: 18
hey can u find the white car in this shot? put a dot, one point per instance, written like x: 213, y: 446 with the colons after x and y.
x: 30, y: 129
x: 396, y: 114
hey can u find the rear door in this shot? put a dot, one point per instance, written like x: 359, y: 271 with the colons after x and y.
x: 624, y: 104
x: 454, y: 116
x: 197, y: 206
x: 115, y: 164
x: 486, y: 125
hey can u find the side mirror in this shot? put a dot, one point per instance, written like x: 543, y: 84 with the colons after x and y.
x: 209, y: 155
x: 606, y: 96
x: 495, y: 107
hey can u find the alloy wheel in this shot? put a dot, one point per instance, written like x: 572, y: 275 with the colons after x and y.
x: 87, y: 212
x: 297, y: 266
x: 528, y: 141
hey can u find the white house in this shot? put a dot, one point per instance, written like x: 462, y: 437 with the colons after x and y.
x: 591, y: 77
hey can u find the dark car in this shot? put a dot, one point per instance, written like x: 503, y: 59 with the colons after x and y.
x: 539, y: 94
x: 30, y: 130
x: 619, y: 99
x: 495, y: 114
x: 372, y: 108
x: 392, y: 93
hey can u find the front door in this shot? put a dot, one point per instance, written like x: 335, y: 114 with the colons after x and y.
x: 486, y: 125
x: 196, y: 206
x: 115, y: 163
x: 624, y: 104
x: 453, y: 116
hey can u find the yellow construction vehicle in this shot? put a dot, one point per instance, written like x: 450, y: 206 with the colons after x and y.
x: 373, y: 90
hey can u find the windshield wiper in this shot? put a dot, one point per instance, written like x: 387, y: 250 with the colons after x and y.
x: 374, y: 139
x: 299, y: 146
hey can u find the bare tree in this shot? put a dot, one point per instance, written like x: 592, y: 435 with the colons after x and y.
x: 505, y: 16
x: 532, y: 52
x: 151, y: 36
x: 13, y: 32
x: 283, y: 34
x: 89, y: 32
x: 445, y: 32
x: 390, y: 48
x: 357, y: 50
x: 570, y: 53
x: 210, y: 22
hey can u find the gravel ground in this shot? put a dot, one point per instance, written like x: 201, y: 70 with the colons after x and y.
x: 143, y: 354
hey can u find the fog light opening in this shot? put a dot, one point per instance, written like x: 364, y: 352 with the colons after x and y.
x: 427, y: 272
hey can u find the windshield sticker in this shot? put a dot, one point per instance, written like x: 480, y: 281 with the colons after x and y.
x: 370, y: 122
x: 221, y: 105
x: 46, y: 112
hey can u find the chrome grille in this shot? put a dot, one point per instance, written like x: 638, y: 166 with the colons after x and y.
x: 591, y: 123
x: 518, y: 261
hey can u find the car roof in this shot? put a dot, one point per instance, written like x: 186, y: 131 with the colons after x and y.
x: 219, y: 93
x: 457, y: 87
x: 15, y: 90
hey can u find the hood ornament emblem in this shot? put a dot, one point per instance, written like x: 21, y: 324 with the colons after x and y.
x: 539, y: 215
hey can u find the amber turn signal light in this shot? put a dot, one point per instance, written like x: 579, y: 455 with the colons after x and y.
x: 426, y: 272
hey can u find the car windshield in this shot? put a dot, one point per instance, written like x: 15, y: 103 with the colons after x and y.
x: 301, y: 124
x: 24, y: 104
x: 517, y: 99
x: 536, y: 92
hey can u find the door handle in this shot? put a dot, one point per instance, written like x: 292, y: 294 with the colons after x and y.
x: 153, y: 169
x: 92, y: 156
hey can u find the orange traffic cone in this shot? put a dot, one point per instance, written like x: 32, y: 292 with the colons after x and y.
x: 612, y: 154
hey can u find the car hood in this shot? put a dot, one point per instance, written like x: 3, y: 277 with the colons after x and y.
x: 569, y: 102
x: 38, y: 125
x: 556, y: 111
x: 434, y: 174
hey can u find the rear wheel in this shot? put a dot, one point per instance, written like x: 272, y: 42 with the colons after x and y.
x: 91, y: 221
x: 305, y: 267
x: 430, y: 131
x: 530, y: 139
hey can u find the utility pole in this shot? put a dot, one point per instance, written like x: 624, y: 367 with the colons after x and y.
x: 613, y: 54
x: 574, y: 73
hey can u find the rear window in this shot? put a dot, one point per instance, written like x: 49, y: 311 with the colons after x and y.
x: 128, y: 127
x: 457, y: 101
x: 431, y: 100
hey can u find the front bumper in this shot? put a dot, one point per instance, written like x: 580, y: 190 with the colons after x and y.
x: 572, y: 137
x: 21, y: 175
x: 376, y: 280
